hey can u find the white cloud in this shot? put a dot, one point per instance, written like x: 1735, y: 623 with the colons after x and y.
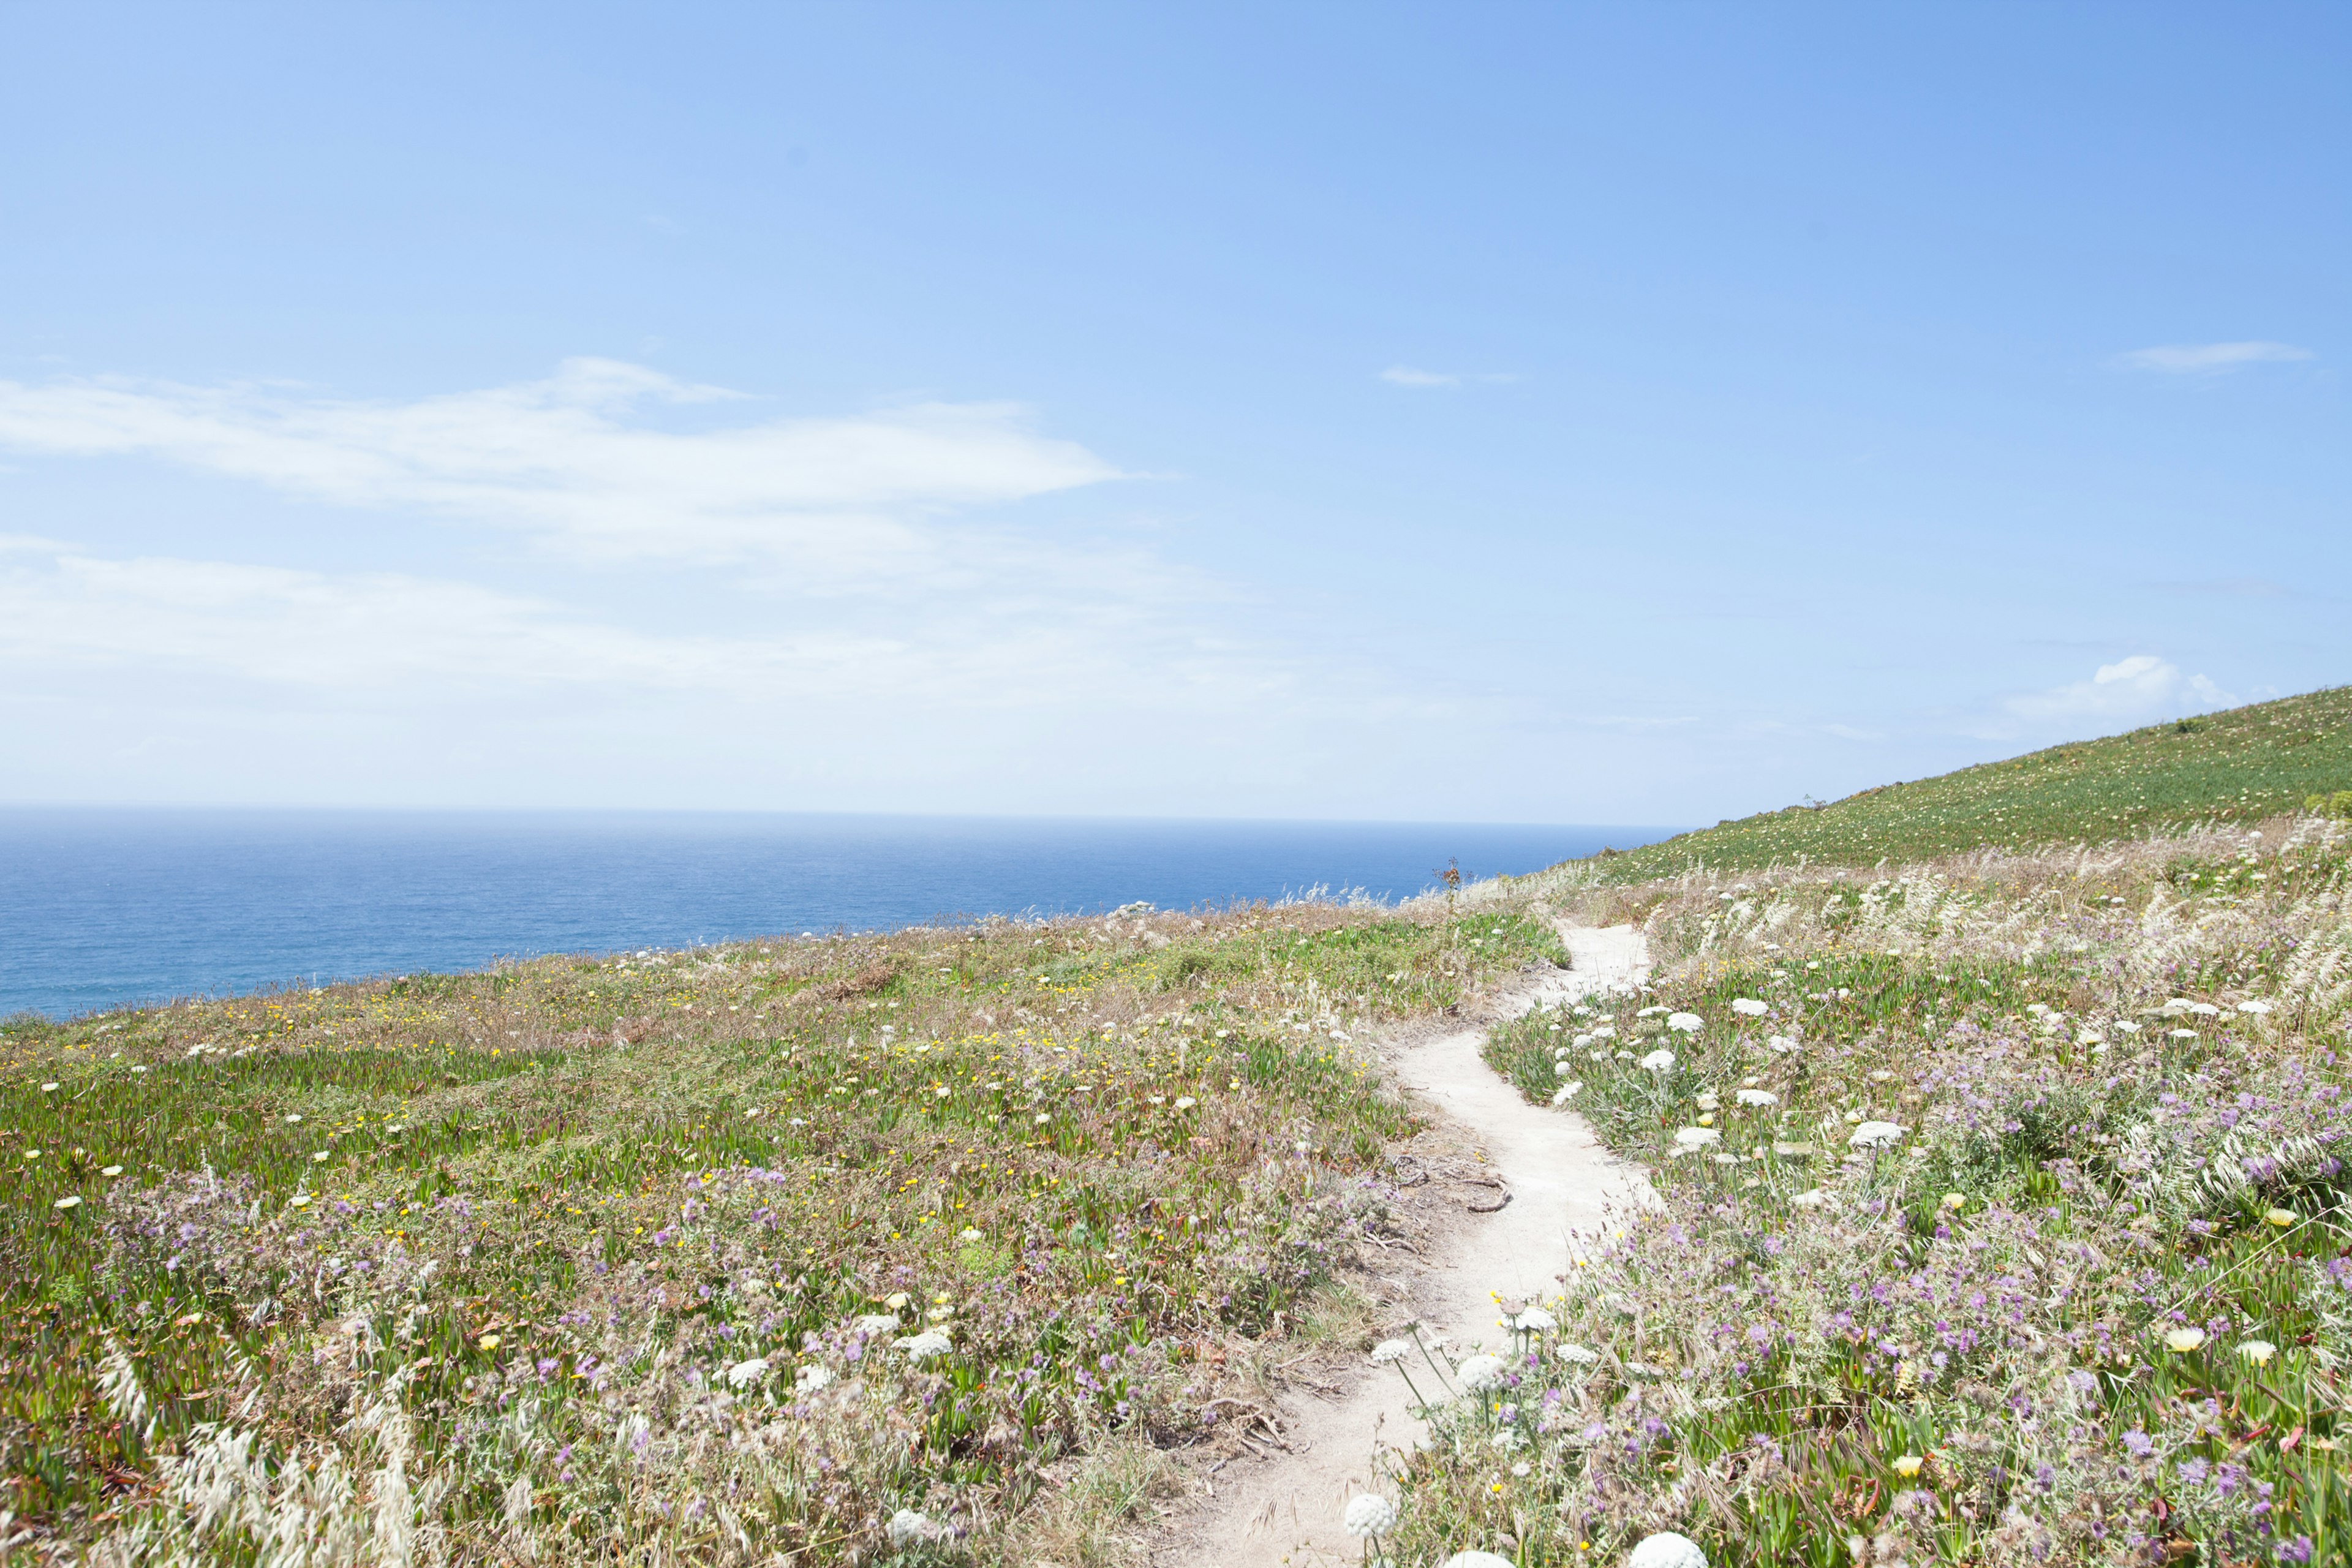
x: 360, y: 634
x: 1406, y: 376
x: 408, y: 640
x: 2129, y: 691
x: 573, y: 459
x: 163, y: 679
x: 2210, y: 359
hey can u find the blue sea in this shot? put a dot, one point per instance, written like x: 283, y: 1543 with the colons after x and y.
x: 103, y: 908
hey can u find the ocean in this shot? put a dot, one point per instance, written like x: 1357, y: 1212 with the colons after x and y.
x: 103, y: 908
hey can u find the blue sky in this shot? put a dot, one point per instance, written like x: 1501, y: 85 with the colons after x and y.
x: 1626, y: 414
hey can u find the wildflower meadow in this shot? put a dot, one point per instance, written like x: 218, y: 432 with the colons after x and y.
x: 1996, y: 1131
x: 2001, y: 1218
x: 836, y: 1250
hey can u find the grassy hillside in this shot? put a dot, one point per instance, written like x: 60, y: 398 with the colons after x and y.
x: 2002, y: 1220
x: 825, y: 1229
x: 2243, y: 764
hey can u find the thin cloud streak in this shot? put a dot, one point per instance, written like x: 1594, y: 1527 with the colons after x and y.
x: 2210, y: 359
x: 572, y: 461
x: 1443, y: 380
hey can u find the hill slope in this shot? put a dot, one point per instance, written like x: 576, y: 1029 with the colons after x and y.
x: 2242, y: 765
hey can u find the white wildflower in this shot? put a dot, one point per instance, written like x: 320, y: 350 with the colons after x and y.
x: 908, y: 1528
x: 1813, y: 1199
x: 1780, y: 1043
x: 1388, y: 1351
x: 1659, y: 1060
x: 1480, y: 1372
x: 1582, y: 1355
x: 812, y: 1378
x: 1691, y: 1139
x: 1758, y: 1097
x: 743, y: 1374
x: 1565, y: 1091
x: 926, y: 1346
x: 2183, y: 1340
x: 1369, y: 1514
x: 1748, y: 1007
x: 1535, y: 1321
x: 1875, y: 1134
x: 2256, y: 1008
x: 2259, y: 1351
x: 1685, y: 1023
x: 72, y: 1201
x: 1666, y: 1550
x: 1560, y: 1068
x: 877, y: 1323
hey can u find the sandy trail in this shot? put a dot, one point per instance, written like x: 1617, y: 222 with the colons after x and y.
x: 1287, y: 1511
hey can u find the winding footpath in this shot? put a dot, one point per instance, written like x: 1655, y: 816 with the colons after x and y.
x: 1284, y: 1512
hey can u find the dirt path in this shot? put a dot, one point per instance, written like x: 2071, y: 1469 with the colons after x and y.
x: 1286, y: 1510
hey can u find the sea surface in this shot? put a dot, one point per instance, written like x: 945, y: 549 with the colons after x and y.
x: 99, y: 909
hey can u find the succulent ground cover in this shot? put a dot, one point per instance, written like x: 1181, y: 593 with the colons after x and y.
x: 816, y: 1251
x: 2240, y: 766
x: 2002, y: 1220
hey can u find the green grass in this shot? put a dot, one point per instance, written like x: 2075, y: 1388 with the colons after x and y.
x: 1078, y: 1149
x: 2237, y: 767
